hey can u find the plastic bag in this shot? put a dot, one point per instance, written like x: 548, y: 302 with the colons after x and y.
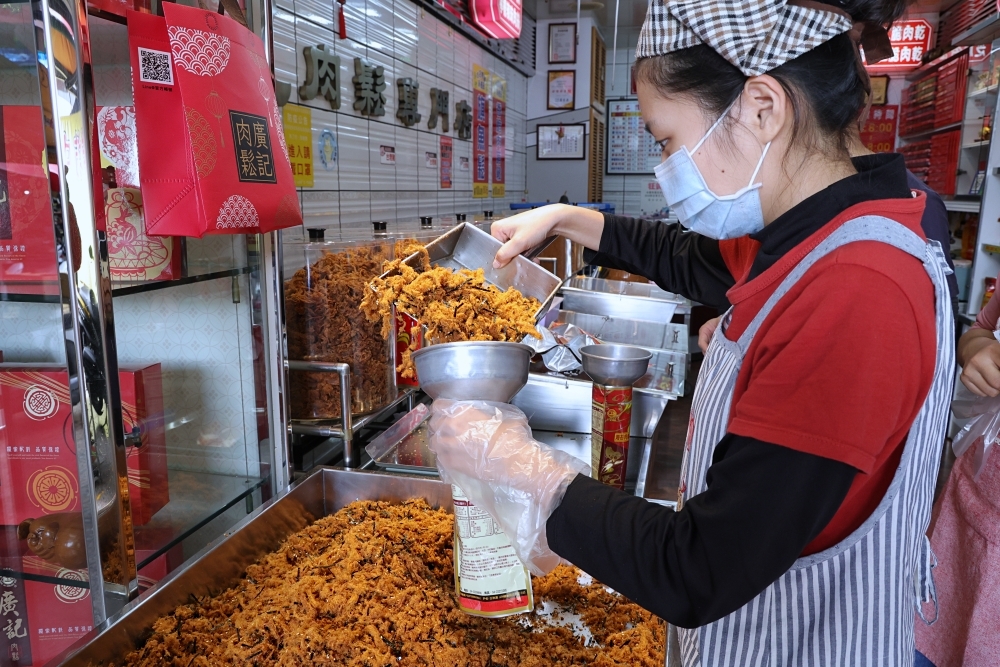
x: 560, y: 346
x: 486, y: 449
x: 981, y: 431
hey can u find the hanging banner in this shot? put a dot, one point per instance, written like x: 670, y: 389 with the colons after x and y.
x: 498, y: 158
x: 298, y: 137
x: 879, y: 131
x: 444, y: 164
x: 910, y: 40
x: 480, y: 132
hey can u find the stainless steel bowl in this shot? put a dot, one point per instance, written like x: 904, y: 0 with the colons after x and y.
x: 615, y: 365
x: 473, y: 370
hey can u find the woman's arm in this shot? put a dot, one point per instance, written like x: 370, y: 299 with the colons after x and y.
x: 979, y: 356
x: 677, y: 260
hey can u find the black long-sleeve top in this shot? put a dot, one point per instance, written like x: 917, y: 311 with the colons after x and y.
x: 764, y: 503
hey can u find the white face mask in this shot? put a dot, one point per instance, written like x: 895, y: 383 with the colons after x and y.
x: 701, y: 210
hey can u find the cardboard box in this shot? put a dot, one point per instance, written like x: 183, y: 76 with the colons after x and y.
x: 146, y: 445
x: 134, y: 256
x: 27, y: 240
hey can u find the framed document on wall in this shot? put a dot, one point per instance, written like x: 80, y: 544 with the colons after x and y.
x: 561, y: 142
x: 562, y: 43
x: 561, y: 94
x: 880, y: 89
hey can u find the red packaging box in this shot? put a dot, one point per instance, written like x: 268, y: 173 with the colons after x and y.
x: 134, y: 256
x: 27, y: 240
x: 58, y: 615
x: 146, y: 450
x: 38, y: 470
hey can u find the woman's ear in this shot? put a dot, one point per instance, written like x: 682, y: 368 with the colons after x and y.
x: 766, y: 107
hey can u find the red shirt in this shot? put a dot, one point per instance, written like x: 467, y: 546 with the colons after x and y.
x: 842, y: 365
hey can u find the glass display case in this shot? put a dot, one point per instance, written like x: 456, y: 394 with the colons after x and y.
x: 141, y: 386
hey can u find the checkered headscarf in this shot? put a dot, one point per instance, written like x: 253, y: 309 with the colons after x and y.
x: 754, y: 35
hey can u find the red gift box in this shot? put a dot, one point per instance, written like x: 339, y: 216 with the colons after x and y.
x: 134, y: 255
x: 146, y: 451
x: 38, y: 471
x: 58, y: 615
x: 27, y: 241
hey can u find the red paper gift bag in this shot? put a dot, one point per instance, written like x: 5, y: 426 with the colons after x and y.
x: 212, y: 155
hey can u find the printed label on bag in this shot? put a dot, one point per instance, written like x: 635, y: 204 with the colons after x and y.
x: 154, y: 67
x: 609, y: 437
x: 252, y: 143
x: 489, y: 578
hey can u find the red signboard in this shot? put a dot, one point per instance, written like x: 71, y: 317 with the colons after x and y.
x: 480, y: 132
x: 879, y: 131
x: 500, y: 19
x: 444, y: 162
x: 910, y: 39
x: 979, y: 53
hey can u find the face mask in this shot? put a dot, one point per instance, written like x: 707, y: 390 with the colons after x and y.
x: 701, y: 210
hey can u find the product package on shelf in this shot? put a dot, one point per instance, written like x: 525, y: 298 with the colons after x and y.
x: 212, y: 152
x: 40, y: 505
x: 943, y: 169
x: 27, y: 240
x: 134, y: 255
x: 146, y: 451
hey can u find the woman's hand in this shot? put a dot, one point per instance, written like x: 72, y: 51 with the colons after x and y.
x: 706, y: 332
x: 980, y: 352
x: 487, y: 450
x: 526, y: 230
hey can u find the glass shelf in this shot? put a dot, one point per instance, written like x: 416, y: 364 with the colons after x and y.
x: 195, y: 499
x: 124, y: 289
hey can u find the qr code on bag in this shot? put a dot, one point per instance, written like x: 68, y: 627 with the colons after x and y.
x: 154, y: 67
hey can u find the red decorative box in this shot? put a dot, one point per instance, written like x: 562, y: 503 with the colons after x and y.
x: 27, y: 240
x: 134, y: 256
x: 58, y: 615
x: 146, y: 452
x: 38, y: 470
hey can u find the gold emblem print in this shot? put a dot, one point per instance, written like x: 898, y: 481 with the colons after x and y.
x: 53, y: 489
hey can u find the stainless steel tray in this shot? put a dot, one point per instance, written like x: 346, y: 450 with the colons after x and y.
x: 557, y: 403
x: 224, y: 562
x: 413, y: 456
x: 468, y: 247
x: 614, y: 298
x: 653, y: 335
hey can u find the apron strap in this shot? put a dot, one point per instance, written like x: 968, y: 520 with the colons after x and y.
x: 865, y: 228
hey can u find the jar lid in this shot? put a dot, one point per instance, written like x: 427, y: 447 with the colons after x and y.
x: 488, y: 214
x: 460, y: 217
x: 426, y: 221
x: 316, y: 233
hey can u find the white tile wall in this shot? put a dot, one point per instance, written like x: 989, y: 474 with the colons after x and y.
x: 407, y: 42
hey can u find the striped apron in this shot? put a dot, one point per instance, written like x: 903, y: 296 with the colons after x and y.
x: 854, y: 603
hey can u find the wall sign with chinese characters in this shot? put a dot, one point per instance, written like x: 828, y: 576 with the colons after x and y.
x: 322, y: 75
x: 631, y: 149
x: 480, y: 132
x: 369, y: 88
x: 439, y: 108
x: 879, y: 131
x: 910, y: 39
x: 407, y: 111
x: 297, y: 122
x: 498, y: 149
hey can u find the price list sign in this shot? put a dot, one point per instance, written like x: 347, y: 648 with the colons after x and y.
x: 631, y: 149
x: 879, y: 131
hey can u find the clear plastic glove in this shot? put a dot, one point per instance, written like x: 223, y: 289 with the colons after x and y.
x: 487, y: 450
x: 982, y: 432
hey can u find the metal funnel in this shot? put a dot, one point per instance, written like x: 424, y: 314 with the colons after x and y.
x: 615, y: 365
x: 473, y: 370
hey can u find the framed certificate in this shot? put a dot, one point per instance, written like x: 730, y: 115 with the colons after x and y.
x: 880, y: 88
x: 561, y: 93
x: 562, y: 43
x: 561, y: 142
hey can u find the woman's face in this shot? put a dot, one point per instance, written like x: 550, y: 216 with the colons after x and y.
x: 726, y: 159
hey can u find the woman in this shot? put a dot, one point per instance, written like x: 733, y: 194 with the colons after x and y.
x: 966, y: 531
x: 819, y: 414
